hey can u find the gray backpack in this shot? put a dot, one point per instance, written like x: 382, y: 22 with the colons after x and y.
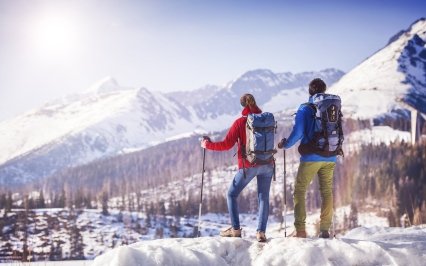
x: 328, y: 132
x: 260, y: 130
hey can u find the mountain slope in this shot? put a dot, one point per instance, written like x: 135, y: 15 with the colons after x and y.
x: 395, y: 74
x: 72, y: 132
x: 108, y: 119
x: 264, y: 84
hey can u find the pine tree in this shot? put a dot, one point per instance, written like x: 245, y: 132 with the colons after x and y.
x: 88, y: 201
x: 62, y: 199
x: 162, y: 212
x: 9, y: 202
x: 178, y: 213
x: 105, y: 203
x: 24, y: 228
x: 41, y: 201
x: 2, y: 201
x: 30, y: 203
x: 55, y: 251
x: 353, y: 217
x: 76, y: 240
x: 148, y: 220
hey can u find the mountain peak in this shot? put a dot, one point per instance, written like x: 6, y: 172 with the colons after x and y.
x: 419, y: 21
x: 105, y: 85
x: 418, y: 27
x: 258, y: 72
x: 397, y: 71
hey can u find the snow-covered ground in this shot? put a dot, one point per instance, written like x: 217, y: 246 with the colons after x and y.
x: 101, y: 234
x: 375, y: 136
x: 373, y: 243
x: 51, y: 263
x: 361, y: 246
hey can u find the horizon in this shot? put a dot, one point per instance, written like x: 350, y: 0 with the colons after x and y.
x: 50, y: 49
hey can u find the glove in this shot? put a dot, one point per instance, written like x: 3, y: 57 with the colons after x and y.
x: 281, y: 143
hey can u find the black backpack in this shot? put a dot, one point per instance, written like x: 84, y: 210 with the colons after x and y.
x: 328, y: 132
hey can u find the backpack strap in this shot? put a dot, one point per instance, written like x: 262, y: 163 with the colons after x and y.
x: 264, y: 129
x: 311, y: 105
x: 242, y: 148
x: 264, y: 152
x: 310, y: 147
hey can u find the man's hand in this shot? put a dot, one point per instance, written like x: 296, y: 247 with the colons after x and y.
x: 281, y: 143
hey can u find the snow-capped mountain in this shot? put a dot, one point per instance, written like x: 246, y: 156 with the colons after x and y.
x: 86, y: 127
x: 262, y: 83
x: 394, y: 75
x: 108, y: 119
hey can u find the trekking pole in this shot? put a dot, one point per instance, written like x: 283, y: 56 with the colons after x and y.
x: 334, y: 214
x: 334, y: 221
x: 201, y: 197
x: 285, y: 194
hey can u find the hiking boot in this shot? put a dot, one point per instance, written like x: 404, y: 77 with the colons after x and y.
x: 301, y: 234
x: 260, y: 236
x: 324, y: 234
x: 231, y: 232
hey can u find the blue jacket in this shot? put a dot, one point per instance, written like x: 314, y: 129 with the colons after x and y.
x: 304, y: 129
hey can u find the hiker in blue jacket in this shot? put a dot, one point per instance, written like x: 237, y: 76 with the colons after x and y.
x: 310, y: 164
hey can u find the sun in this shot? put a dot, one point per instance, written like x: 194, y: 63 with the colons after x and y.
x: 54, y: 35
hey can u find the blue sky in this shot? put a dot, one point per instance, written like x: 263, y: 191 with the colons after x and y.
x: 51, y: 48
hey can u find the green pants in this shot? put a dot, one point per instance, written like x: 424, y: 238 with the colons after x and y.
x: 305, y: 174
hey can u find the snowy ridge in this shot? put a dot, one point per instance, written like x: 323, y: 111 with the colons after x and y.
x: 107, y: 84
x: 265, y: 85
x: 361, y: 246
x: 108, y: 119
x: 395, y: 73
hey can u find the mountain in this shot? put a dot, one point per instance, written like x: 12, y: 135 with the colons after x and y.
x: 108, y: 119
x: 264, y: 84
x: 84, y: 128
x: 390, y: 79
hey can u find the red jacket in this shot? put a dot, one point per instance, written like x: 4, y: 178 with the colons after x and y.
x: 235, y: 133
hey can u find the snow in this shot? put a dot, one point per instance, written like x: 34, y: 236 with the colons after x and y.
x: 373, y: 243
x: 375, y: 86
x: 288, y: 99
x: 108, y: 119
x: 375, y: 136
x: 360, y: 246
x: 62, y: 120
x: 52, y: 263
x: 107, y: 84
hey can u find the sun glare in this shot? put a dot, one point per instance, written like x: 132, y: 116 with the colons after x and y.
x: 54, y: 36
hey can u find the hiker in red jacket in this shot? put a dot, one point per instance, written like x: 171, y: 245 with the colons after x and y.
x: 246, y: 172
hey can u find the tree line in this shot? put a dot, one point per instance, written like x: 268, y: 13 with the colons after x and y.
x: 389, y: 176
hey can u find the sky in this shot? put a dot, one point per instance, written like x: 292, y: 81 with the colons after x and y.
x: 53, y: 48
